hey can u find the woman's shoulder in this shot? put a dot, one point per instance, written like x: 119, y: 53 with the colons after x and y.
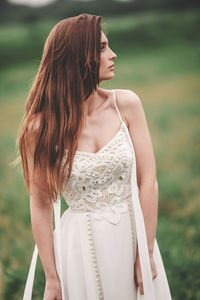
x: 125, y: 98
x: 33, y: 127
x: 127, y: 102
x: 34, y: 123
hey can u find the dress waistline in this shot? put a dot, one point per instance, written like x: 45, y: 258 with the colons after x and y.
x: 114, y: 207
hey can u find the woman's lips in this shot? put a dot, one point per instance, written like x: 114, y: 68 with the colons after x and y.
x: 111, y: 67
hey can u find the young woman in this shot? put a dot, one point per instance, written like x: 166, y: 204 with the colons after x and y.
x: 85, y: 143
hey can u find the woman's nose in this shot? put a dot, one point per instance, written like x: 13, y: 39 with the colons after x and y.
x: 113, y: 55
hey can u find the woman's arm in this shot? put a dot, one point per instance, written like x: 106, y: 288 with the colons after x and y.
x: 145, y: 161
x: 133, y: 112
x: 41, y: 219
x: 42, y: 227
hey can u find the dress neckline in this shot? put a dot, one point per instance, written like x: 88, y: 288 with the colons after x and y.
x: 102, y: 148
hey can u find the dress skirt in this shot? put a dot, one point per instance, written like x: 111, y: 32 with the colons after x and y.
x: 98, y: 251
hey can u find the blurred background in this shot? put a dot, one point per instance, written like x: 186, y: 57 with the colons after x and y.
x: 158, y: 57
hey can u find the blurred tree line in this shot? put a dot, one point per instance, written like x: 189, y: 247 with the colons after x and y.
x: 23, y: 44
x: 65, y: 8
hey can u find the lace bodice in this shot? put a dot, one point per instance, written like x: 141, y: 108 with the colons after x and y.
x: 101, y: 179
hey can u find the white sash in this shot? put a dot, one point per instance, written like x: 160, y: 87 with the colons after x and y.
x: 158, y: 288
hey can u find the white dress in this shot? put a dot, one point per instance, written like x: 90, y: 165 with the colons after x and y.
x: 96, y: 238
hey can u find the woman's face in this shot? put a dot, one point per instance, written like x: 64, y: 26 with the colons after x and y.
x: 106, y: 70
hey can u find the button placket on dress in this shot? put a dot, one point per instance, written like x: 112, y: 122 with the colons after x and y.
x: 93, y: 255
x: 132, y: 225
x: 103, y: 213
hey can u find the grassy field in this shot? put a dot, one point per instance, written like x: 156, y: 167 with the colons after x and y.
x: 158, y: 58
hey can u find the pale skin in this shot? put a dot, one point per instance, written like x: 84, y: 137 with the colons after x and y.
x: 95, y: 134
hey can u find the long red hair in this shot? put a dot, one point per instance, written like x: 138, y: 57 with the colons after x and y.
x: 68, y: 73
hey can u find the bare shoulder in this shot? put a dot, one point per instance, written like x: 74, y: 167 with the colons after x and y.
x: 34, y: 123
x: 127, y: 98
x: 33, y: 130
x: 128, y: 103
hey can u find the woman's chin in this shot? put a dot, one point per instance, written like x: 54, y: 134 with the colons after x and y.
x: 108, y: 77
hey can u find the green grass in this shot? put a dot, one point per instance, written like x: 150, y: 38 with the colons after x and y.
x: 164, y: 72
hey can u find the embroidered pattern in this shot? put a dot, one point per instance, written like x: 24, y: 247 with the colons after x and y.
x: 101, y: 179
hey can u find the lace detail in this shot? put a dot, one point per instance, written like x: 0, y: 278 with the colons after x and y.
x: 101, y: 179
x: 112, y: 213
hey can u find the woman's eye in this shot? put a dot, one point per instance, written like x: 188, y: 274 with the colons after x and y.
x: 103, y: 46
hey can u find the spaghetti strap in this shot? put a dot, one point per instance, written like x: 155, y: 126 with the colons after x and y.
x: 114, y: 95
